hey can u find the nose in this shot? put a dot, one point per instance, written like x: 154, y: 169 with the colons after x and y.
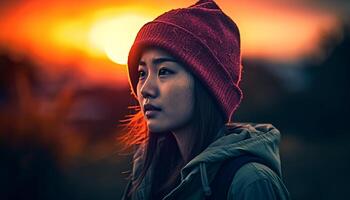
x: 149, y: 89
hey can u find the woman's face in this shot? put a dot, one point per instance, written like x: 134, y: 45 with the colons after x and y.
x: 167, y: 85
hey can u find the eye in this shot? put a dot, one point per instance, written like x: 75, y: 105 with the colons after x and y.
x: 164, y: 71
x: 141, y: 74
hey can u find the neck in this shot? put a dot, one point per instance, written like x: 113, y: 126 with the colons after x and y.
x: 185, y: 142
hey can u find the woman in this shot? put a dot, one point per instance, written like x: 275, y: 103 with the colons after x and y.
x: 184, y: 70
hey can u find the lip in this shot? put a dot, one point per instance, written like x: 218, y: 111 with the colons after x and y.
x: 151, y: 113
x: 151, y: 107
x: 151, y: 110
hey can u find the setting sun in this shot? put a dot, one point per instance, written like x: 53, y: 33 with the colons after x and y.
x: 115, y: 35
x: 66, y: 33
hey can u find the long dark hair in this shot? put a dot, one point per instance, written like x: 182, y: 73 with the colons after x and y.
x: 207, y: 119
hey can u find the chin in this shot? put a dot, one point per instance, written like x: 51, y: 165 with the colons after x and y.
x: 156, y: 128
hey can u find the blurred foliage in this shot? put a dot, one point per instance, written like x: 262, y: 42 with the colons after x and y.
x: 312, y: 119
x: 46, y: 149
x: 33, y: 146
x: 320, y: 107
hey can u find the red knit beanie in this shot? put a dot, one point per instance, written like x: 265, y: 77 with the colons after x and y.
x: 205, y: 40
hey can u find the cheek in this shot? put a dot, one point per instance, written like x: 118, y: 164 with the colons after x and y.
x: 139, y: 96
x: 180, y: 100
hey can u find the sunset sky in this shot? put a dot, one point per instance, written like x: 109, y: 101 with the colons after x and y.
x: 100, y: 33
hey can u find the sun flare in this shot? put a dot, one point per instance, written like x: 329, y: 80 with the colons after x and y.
x: 115, y: 35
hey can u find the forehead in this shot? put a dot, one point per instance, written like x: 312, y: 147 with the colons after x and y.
x: 155, y: 57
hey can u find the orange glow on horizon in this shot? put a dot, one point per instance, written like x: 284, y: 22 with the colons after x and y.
x: 86, y: 41
x: 92, y: 34
x: 274, y: 30
x: 68, y: 32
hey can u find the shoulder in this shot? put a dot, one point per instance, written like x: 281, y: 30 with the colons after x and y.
x: 257, y: 181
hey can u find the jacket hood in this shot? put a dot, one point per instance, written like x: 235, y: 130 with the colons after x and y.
x: 261, y: 140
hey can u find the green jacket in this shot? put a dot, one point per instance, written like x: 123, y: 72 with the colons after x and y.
x: 252, y: 180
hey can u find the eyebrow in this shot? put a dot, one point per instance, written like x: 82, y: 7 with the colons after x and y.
x: 158, y: 61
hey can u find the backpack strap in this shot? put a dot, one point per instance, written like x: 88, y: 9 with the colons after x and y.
x: 223, y: 179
